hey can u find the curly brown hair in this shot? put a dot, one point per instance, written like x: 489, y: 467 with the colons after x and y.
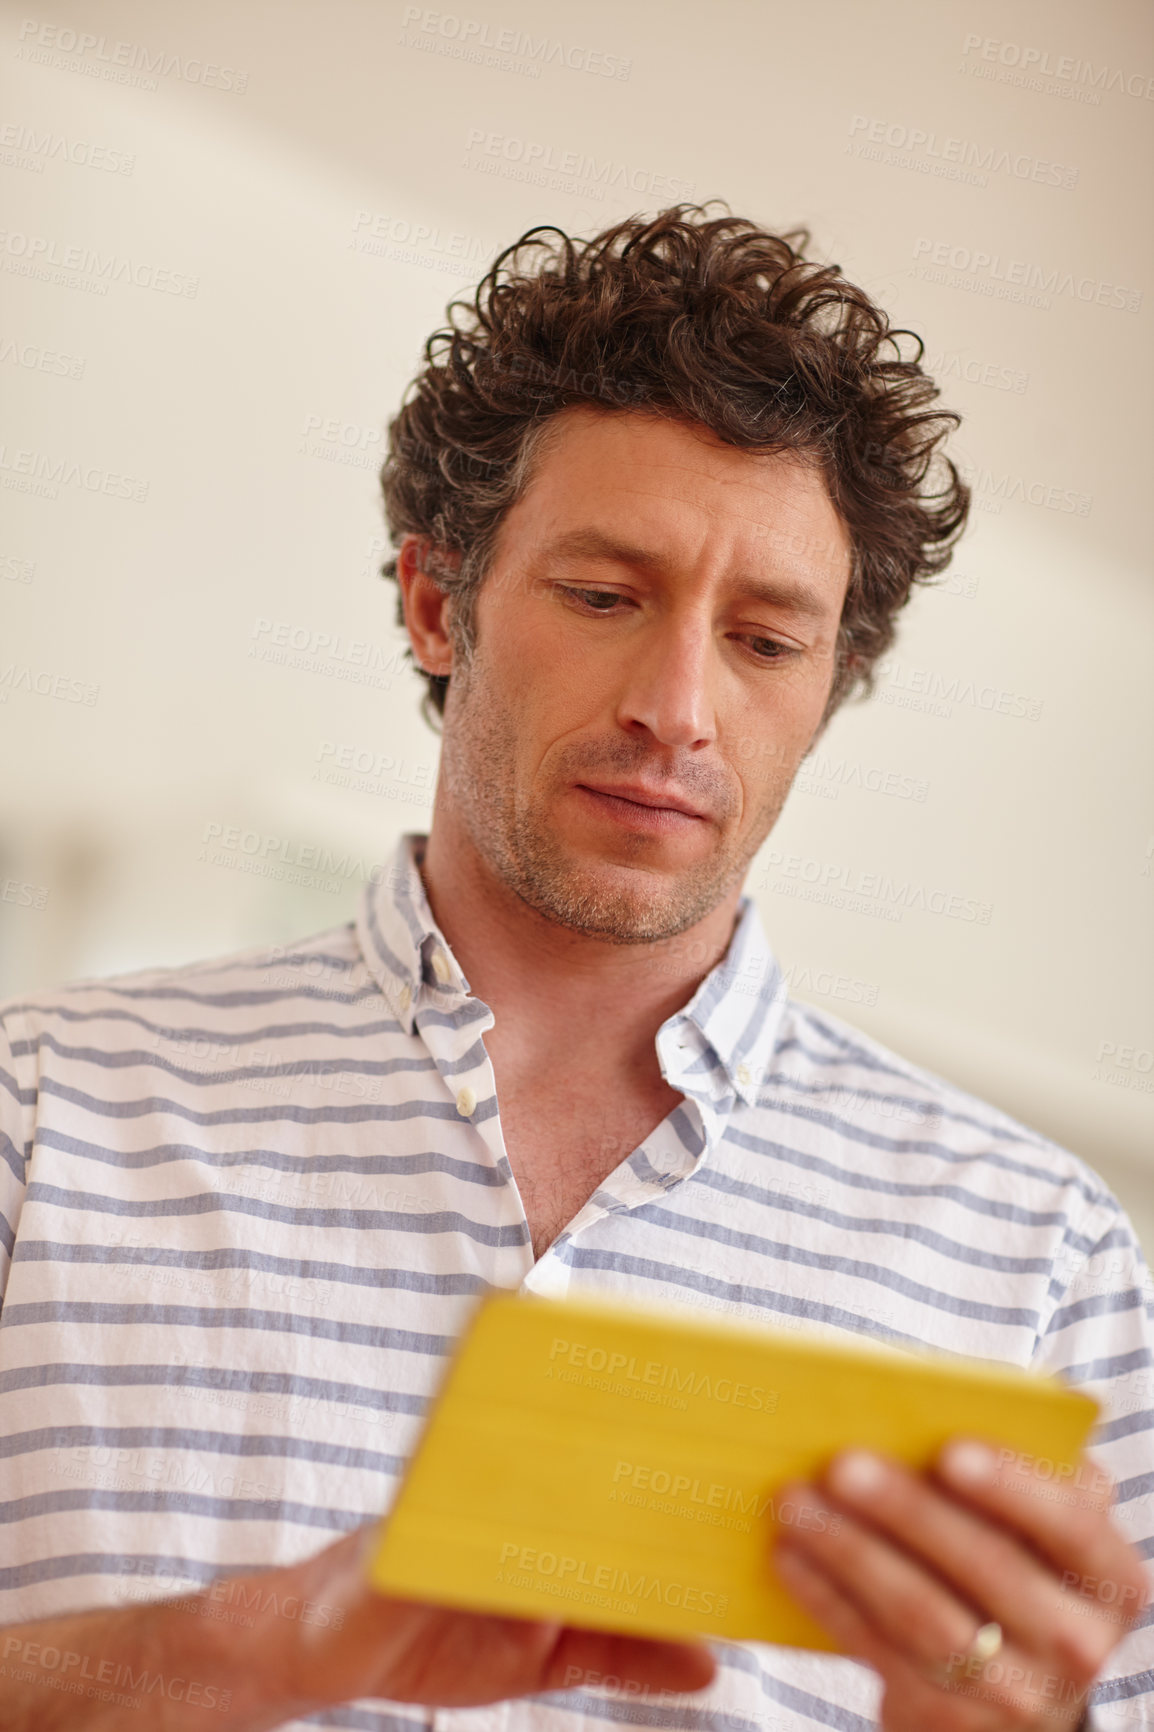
x: 712, y: 321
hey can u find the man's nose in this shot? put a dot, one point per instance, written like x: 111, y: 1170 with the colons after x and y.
x: 668, y: 683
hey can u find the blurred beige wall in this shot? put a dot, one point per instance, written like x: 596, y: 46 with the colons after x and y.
x: 228, y: 230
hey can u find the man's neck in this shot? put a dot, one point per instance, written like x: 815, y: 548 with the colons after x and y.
x: 554, y: 986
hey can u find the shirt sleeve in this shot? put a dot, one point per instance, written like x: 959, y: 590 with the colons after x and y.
x: 1101, y: 1338
x: 14, y: 1137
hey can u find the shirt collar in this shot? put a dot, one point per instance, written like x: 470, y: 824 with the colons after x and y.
x: 404, y: 949
x: 736, y: 1010
x: 738, y: 1007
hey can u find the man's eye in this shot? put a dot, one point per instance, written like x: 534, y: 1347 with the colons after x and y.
x: 767, y: 649
x: 591, y: 597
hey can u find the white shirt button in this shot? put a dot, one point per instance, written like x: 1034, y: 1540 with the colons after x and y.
x: 405, y: 997
x: 744, y: 1074
x: 441, y: 967
x: 466, y: 1102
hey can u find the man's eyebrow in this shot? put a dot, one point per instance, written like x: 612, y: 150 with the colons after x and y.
x: 789, y: 592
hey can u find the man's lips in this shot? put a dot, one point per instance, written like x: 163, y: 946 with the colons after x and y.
x: 654, y: 799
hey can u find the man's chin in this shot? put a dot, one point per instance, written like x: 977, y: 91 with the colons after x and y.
x: 614, y: 902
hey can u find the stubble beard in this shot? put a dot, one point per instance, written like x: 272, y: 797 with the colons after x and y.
x: 513, y: 838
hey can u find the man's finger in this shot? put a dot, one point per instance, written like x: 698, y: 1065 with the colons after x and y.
x: 913, y: 1701
x: 913, y: 1611
x: 587, y: 1658
x: 1065, y: 1521
x: 989, y: 1565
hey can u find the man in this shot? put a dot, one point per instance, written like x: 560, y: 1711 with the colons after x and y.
x: 657, y: 502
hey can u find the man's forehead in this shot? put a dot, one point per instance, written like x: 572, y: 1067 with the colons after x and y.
x: 776, y: 505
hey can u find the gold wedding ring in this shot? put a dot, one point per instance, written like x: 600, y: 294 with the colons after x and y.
x: 985, y: 1644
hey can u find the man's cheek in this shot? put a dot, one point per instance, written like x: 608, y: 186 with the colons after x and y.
x: 760, y: 761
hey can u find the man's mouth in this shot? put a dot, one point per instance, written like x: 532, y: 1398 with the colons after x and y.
x: 642, y: 807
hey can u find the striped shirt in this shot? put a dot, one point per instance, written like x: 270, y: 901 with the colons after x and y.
x: 247, y: 1207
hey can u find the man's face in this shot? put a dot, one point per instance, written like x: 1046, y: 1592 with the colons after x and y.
x: 654, y: 649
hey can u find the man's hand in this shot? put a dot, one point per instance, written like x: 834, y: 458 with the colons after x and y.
x: 410, y: 1652
x: 916, y: 1565
x: 261, y: 1649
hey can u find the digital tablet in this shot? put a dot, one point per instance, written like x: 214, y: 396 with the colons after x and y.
x: 619, y: 1467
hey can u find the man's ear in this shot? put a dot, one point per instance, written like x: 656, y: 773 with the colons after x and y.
x: 426, y: 604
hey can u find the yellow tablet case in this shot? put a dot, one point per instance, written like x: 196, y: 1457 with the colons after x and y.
x: 618, y: 1466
